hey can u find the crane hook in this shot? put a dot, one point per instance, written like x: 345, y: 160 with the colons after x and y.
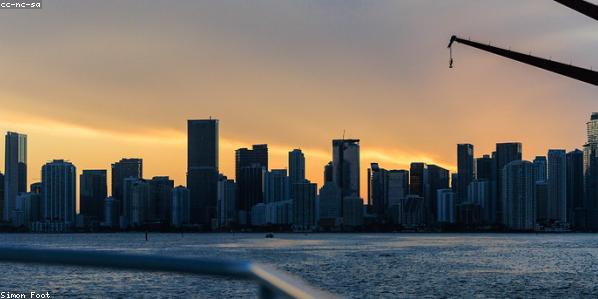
x: 451, y: 57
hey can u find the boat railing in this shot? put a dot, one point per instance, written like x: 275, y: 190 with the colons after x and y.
x: 272, y: 283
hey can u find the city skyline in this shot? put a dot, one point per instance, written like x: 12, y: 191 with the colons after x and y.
x: 279, y: 74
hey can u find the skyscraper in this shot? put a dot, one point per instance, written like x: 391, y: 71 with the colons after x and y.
x: 125, y: 168
x: 93, y: 192
x: 276, y: 186
x: 180, y: 207
x: 330, y: 205
x: 345, y: 165
x: 505, y: 153
x: 15, y: 171
x: 465, y: 169
x: 227, y: 207
x: 590, y: 165
x: 378, y: 190
x: 557, y: 185
x: 484, y: 168
x: 59, y: 181
x: 296, y: 167
x: 541, y: 168
x: 202, y: 170
x: 328, y: 173
x: 419, y: 183
x: 439, y: 179
x: 446, y: 206
x: 575, y: 192
x: 1, y: 192
x: 136, y: 195
x: 160, y: 199
x: 250, y: 164
x: 519, y: 195
x: 304, y: 206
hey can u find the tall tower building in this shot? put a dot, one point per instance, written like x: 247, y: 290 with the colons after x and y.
x: 590, y: 165
x: 465, y: 169
x: 419, y: 182
x: 541, y: 168
x: 484, y: 168
x: 15, y: 171
x: 125, y: 168
x: 180, y: 207
x: 378, y: 190
x: 160, y: 201
x: 575, y: 208
x: 304, y: 206
x: 202, y: 170
x: 519, y: 195
x: 439, y: 179
x: 136, y: 197
x: 276, y: 186
x: 93, y: 193
x: 557, y: 185
x: 505, y: 154
x: 328, y: 173
x: 59, y: 182
x: 345, y: 165
x: 296, y: 167
x: 250, y: 165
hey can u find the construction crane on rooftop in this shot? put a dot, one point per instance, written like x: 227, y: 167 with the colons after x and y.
x: 575, y: 72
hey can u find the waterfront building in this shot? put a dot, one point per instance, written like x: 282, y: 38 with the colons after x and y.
x: 519, y: 195
x: 15, y: 171
x: 59, y: 183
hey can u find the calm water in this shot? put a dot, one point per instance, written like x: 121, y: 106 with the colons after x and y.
x: 351, y: 265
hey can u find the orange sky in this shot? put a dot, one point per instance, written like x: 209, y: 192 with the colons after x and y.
x: 95, y: 82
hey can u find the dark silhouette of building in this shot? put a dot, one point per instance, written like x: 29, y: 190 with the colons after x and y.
x: 296, y: 168
x: 419, y: 183
x: 202, y: 170
x: 541, y: 168
x: 36, y: 188
x: 1, y: 192
x: 15, y: 171
x: 121, y: 170
x: 328, y: 173
x: 304, y: 206
x: 378, y: 190
x: 160, y: 199
x: 505, y: 154
x: 575, y: 208
x: 345, y: 163
x: 250, y: 164
x: 484, y: 168
x: 439, y: 179
x: 93, y: 191
x: 465, y: 169
x: 59, y: 192
x: 590, y: 158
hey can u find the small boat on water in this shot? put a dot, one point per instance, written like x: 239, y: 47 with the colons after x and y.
x: 269, y: 235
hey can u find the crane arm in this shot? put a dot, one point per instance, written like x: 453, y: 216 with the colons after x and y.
x: 584, y: 7
x: 578, y: 73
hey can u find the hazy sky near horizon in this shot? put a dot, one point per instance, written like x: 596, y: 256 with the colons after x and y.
x: 95, y: 81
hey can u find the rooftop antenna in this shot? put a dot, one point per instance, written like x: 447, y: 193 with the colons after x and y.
x: 343, y: 134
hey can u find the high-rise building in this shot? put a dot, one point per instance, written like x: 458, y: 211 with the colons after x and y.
x: 1, y: 192
x: 227, y: 207
x: 398, y: 188
x: 59, y: 181
x: 180, y: 207
x: 250, y: 164
x: 519, y: 195
x: 328, y: 172
x: 479, y: 192
x: 136, y: 196
x: 27, y: 210
x: 330, y: 205
x: 575, y: 208
x: 419, y: 183
x: 541, y: 168
x: 438, y: 178
x: 411, y: 211
x: 557, y: 185
x: 15, y: 171
x: 110, y: 213
x: 446, y: 206
x: 352, y: 212
x: 160, y: 200
x: 304, y: 206
x: 92, y: 193
x: 590, y: 168
x: 296, y: 167
x: 36, y: 188
x: 465, y: 169
x: 484, y: 168
x: 125, y: 168
x: 276, y: 185
x: 505, y: 153
x: 202, y: 170
x: 345, y: 164
x: 378, y: 190
x: 542, y: 202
